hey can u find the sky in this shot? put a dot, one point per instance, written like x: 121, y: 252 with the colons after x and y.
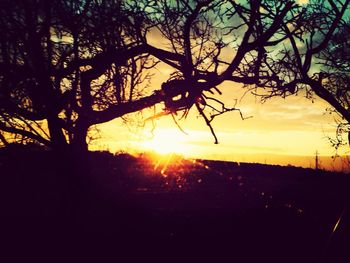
x: 280, y: 131
x: 286, y: 131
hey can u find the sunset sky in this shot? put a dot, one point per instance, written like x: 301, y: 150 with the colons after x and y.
x: 280, y: 131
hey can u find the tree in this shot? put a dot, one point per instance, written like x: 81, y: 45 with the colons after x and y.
x: 336, y: 70
x: 314, y: 60
x: 52, y: 54
x: 68, y: 65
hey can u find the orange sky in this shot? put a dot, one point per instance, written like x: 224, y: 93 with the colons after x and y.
x: 281, y: 131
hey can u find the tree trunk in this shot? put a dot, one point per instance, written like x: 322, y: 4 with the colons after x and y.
x: 58, y: 139
x: 79, y: 143
x: 76, y: 166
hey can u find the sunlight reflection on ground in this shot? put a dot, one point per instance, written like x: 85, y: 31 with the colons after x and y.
x: 172, y: 173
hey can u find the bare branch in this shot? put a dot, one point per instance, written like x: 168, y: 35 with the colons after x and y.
x: 207, y: 121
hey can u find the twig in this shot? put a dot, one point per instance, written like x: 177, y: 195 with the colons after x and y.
x: 177, y: 124
x: 207, y: 121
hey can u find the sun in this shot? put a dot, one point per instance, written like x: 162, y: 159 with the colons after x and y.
x: 166, y: 141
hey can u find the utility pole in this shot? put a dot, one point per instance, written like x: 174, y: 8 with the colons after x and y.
x: 316, y: 160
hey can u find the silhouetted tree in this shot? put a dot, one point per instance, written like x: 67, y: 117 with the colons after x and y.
x: 314, y: 59
x: 335, y: 61
x: 68, y: 65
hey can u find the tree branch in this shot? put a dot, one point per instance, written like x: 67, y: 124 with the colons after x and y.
x: 327, y: 96
x: 3, y: 139
x: 207, y: 121
x: 24, y: 133
x: 116, y: 111
x: 311, y: 51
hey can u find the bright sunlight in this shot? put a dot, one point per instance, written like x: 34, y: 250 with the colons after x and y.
x: 165, y: 141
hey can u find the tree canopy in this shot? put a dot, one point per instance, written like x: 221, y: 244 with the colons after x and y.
x: 314, y: 60
x: 68, y: 65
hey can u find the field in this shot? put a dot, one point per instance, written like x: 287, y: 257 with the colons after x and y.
x: 168, y: 209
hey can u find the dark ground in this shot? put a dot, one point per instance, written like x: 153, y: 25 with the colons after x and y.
x: 126, y: 209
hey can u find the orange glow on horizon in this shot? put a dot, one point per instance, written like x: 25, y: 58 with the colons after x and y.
x: 284, y: 132
x: 166, y: 141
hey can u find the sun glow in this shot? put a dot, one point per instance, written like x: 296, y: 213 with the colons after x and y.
x: 165, y: 141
